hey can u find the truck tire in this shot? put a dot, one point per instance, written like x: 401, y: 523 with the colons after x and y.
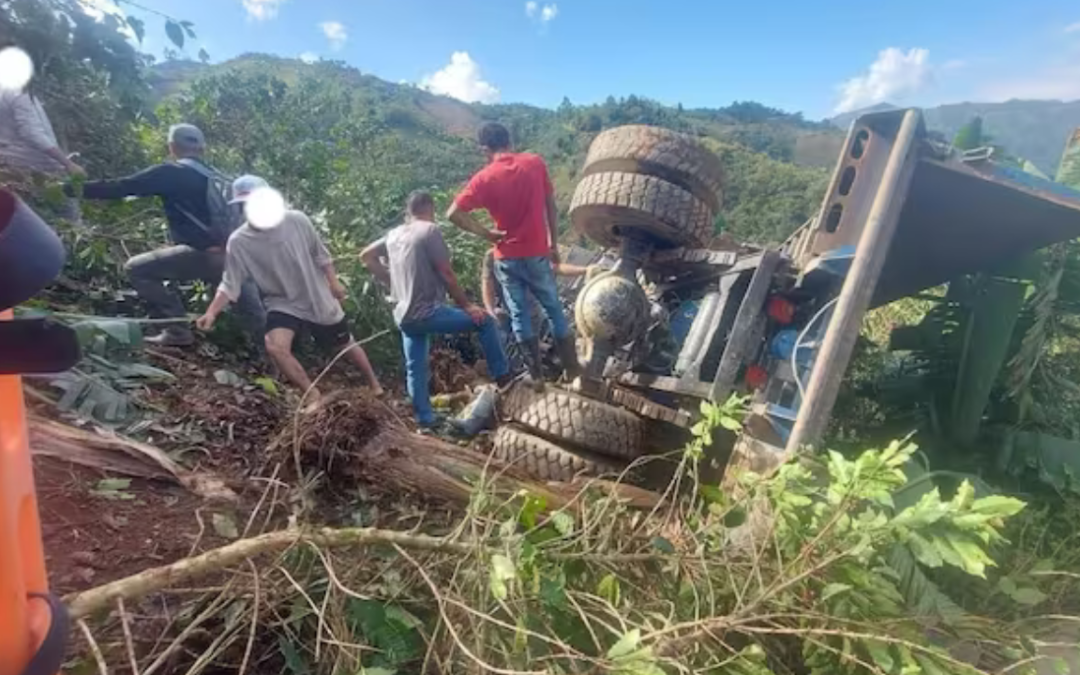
x: 605, y: 204
x: 566, y: 417
x: 543, y: 459
x: 655, y: 151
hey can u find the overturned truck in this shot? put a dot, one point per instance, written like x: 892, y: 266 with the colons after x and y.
x: 680, y: 318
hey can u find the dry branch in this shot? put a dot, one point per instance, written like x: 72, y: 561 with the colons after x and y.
x: 88, y: 602
x: 113, y: 452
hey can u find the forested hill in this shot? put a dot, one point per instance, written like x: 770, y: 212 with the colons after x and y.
x: 1034, y: 130
x: 776, y: 162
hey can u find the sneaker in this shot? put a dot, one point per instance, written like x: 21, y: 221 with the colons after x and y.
x: 172, y: 337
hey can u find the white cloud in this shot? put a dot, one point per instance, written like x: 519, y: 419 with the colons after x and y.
x: 335, y: 32
x: 98, y: 9
x: 895, y: 75
x: 1073, y: 27
x: 1060, y: 82
x: 541, y: 13
x: 309, y: 57
x: 261, y: 10
x: 461, y: 79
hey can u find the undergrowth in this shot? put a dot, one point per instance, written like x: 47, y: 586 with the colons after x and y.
x: 815, y: 568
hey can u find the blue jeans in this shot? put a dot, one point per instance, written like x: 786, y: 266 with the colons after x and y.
x: 518, y: 275
x: 444, y: 319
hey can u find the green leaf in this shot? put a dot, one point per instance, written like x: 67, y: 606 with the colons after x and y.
x: 403, y: 616
x: 143, y: 370
x: 973, y: 559
x: 730, y: 423
x: 113, y: 484
x: 880, y: 654
x: 1029, y: 596
x: 376, y: 671
x: 834, y: 589
x: 294, y: 660
x: 175, y: 33
x: 928, y: 664
x: 563, y: 522
x: 268, y: 385
x: 610, y: 589
x: 120, y: 331
x: 137, y: 27
x: 1061, y: 666
x: 224, y: 525
x: 531, y: 510
x: 924, y: 550
x: 997, y: 505
x: 712, y: 494
x: 626, y: 645
x: 502, y: 571
x: 663, y: 545
x: 926, y: 600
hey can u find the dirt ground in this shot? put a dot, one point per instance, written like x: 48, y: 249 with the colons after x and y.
x: 97, y: 529
x: 93, y: 536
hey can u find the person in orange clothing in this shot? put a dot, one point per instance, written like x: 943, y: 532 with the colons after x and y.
x: 516, y: 191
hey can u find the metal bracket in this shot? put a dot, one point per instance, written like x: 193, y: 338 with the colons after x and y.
x: 740, y: 339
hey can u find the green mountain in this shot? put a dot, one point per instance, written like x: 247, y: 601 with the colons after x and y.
x: 1034, y: 130
x: 776, y: 162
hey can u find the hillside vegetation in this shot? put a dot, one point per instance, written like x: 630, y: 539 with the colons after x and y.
x: 775, y: 161
x: 1034, y: 130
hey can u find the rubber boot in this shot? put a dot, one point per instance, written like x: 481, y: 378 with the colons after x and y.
x: 530, y: 353
x: 567, y: 350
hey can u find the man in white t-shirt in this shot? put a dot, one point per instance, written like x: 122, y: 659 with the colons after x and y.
x: 299, y: 286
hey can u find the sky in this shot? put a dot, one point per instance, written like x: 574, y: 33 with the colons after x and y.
x: 818, y: 58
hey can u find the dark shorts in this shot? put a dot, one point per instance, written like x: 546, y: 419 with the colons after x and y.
x: 332, y: 337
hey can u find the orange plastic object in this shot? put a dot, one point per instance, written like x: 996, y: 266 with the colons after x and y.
x: 780, y: 310
x: 23, y: 624
x: 756, y: 377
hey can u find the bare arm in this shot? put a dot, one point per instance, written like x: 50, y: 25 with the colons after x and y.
x: 457, y: 293
x: 217, y: 306
x: 466, y: 222
x: 372, y: 256
x: 336, y: 287
x: 567, y: 270
x: 487, y: 285
x: 553, y: 226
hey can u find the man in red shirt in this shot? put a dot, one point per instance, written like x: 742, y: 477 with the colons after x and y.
x: 516, y: 191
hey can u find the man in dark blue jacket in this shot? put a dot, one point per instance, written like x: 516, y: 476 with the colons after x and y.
x: 198, y: 250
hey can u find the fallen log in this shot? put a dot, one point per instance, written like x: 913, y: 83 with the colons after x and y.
x: 359, y: 439
x: 109, y: 451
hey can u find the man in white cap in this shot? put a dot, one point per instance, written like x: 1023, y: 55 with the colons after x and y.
x: 195, y: 200
x: 295, y: 274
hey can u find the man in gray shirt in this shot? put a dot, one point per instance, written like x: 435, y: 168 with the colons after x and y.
x: 413, y: 260
x: 295, y: 275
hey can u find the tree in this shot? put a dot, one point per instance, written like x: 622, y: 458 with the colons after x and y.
x: 970, y: 135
